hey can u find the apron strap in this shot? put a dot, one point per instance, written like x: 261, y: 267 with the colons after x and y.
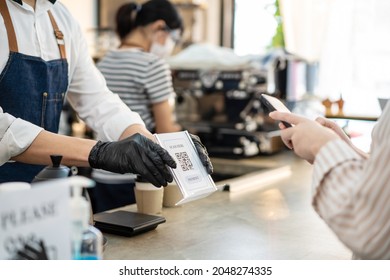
x: 59, y: 35
x: 13, y: 45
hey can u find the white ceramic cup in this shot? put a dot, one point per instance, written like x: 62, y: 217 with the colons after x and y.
x: 148, y: 198
x: 14, y: 186
x: 172, y: 195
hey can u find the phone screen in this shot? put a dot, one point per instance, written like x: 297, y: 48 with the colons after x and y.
x: 274, y: 104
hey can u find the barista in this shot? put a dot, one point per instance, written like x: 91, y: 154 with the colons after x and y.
x: 148, y: 33
x: 45, y: 59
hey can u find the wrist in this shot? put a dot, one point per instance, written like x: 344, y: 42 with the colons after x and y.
x: 324, y: 141
x: 134, y: 129
x: 93, y: 157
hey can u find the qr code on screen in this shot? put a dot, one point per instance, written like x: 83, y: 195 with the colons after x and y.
x: 184, y: 161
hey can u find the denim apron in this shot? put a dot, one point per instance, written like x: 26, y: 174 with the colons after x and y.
x: 31, y: 89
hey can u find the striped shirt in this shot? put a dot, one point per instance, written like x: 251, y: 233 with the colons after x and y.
x: 352, y: 194
x: 141, y: 79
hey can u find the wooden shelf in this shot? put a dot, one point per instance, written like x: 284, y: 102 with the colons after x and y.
x: 353, y: 117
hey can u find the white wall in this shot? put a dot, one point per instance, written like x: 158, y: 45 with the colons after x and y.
x: 84, y: 11
x: 213, y: 23
x: 207, y: 29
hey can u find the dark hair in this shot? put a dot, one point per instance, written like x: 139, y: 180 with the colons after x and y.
x: 132, y: 15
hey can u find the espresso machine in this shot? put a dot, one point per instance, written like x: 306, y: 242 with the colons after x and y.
x: 223, y: 108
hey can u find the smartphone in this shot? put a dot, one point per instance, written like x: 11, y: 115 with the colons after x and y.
x: 274, y: 104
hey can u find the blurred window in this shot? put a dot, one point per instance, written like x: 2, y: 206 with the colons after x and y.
x: 254, y: 26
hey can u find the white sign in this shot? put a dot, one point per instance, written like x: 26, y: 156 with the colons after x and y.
x: 35, y: 223
x: 190, y: 174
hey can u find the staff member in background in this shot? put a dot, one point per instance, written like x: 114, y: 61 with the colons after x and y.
x: 351, y: 190
x: 44, y: 57
x: 136, y: 71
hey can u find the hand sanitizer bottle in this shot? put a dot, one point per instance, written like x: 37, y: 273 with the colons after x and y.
x: 87, y: 241
x: 92, y: 244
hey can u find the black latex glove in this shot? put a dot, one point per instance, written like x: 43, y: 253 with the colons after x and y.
x: 204, y: 156
x: 136, y: 154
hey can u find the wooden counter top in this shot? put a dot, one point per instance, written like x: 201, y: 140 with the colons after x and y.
x: 275, y: 221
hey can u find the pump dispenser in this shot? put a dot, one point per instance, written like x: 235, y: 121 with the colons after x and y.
x: 87, y: 241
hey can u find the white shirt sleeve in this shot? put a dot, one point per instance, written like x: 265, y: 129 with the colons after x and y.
x: 103, y: 111
x: 16, y: 135
x: 95, y: 104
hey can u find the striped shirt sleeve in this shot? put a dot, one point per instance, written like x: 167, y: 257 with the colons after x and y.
x: 352, y: 195
x: 158, y: 81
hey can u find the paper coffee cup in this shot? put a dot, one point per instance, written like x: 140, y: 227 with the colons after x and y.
x: 149, y: 199
x: 172, y: 195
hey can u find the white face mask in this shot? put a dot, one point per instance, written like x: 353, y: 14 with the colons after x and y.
x: 163, y: 51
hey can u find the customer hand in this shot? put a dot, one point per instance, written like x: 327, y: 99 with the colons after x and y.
x: 204, y: 156
x: 340, y: 132
x: 136, y: 154
x: 329, y: 124
x: 306, y: 137
x: 333, y: 126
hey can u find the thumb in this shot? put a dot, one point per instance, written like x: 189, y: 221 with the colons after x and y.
x: 321, y: 121
x: 327, y: 123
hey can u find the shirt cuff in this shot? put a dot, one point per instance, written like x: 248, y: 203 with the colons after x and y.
x: 17, y: 139
x: 331, y: 155
x: 116, y: 125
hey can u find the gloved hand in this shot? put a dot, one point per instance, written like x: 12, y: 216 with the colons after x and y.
x: 204, y: 156
x: 136, y: 154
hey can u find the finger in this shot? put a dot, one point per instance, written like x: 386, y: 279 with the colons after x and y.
x: 206, y: 163
x: 204, y: 158
x: 333, y: 126
x: 194, y: 138
x: 165, y: 156
x: 167, y: 159
x: 288, y: 144
x: 286, y: 135
x: 159, y: 158
x: 287, y: 117
x: 202, y: 152
x: 151, y: 178
x: 202, y: 155
x: 321, y: 120
x: 282, y: 126
x: 151, y: 172
x: 160, y: 164
x: 209, y: 167
x: 326, y: 123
